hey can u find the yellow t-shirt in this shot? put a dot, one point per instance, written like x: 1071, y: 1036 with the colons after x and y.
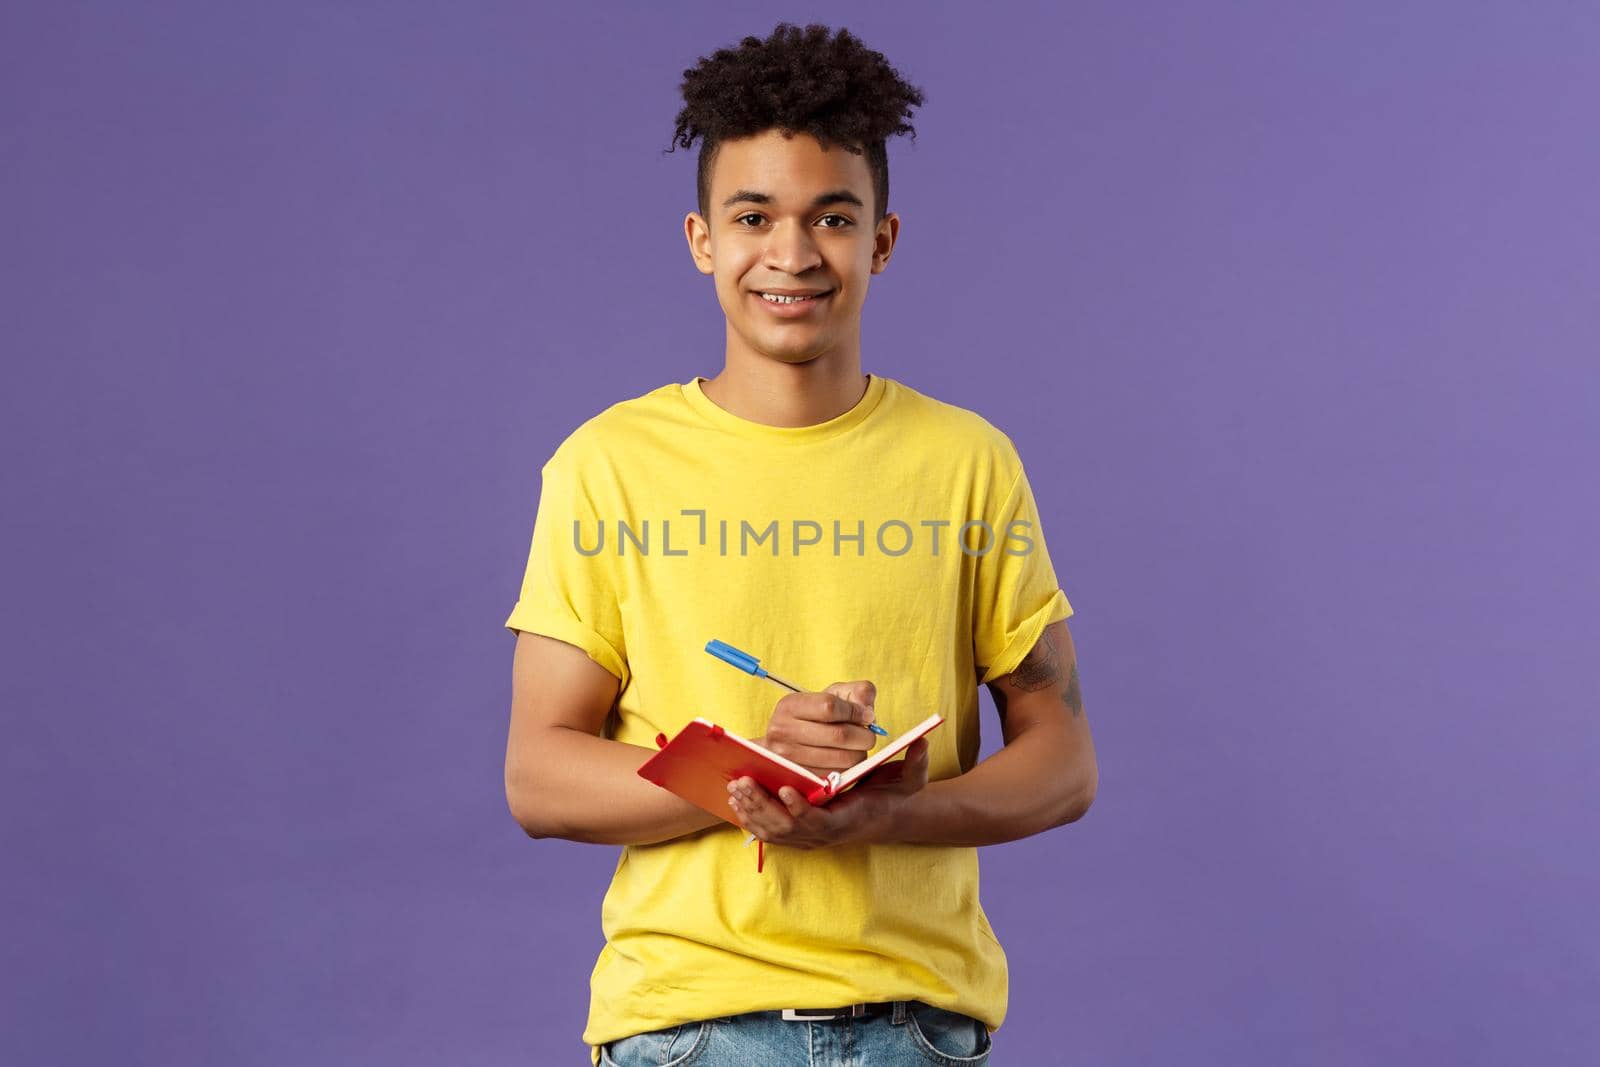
x: 898, y: 542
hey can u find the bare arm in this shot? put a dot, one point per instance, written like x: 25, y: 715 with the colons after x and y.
x: 565, y: 780
x: 1045, y: 776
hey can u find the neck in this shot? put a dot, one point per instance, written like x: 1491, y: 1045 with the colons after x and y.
x: 775, y: 393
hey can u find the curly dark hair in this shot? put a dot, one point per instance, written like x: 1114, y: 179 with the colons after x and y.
x: 798, y: 81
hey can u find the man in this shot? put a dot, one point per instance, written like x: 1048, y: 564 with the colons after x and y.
x: 835, y: 524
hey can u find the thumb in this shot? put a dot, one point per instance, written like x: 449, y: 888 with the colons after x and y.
x: 915, y: 774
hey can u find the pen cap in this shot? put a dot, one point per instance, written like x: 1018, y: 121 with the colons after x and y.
x: 728, y: 654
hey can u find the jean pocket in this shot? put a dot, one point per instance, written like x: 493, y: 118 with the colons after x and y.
x: 674, y: 1046
x: 947, y: 1038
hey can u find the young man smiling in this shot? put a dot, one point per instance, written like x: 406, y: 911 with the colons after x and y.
x: 863, y: 934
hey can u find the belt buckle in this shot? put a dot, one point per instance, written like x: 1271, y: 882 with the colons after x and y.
x: 797, y: 1015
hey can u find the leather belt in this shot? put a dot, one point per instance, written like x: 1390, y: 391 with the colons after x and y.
x: 849, y: 1011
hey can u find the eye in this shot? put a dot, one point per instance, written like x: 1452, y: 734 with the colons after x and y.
x: 843, y: 219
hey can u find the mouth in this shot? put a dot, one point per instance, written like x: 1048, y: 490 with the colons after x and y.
x: 792, y: 307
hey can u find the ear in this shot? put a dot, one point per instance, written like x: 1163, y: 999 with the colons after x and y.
x: 883, y: 240
x: 698, y: 233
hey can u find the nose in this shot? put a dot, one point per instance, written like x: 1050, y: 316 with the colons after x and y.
x: 791, y: 249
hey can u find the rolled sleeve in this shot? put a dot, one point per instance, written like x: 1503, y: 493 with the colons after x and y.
x: 567, y: 594
x: 1016, y: 594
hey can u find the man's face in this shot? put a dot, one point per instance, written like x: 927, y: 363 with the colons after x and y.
x: 786, y: 215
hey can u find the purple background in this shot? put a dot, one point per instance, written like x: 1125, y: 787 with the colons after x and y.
x: 1292, y: 316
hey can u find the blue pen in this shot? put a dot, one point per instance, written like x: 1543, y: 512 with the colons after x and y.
x: 750, y: 665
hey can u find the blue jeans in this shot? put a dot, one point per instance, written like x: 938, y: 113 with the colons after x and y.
x: 914, y: 1034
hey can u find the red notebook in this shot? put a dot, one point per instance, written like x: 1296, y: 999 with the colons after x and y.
x: 699, y: 763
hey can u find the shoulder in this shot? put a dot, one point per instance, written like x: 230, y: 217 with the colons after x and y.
x: 618, y: 430
x: 959, y: 431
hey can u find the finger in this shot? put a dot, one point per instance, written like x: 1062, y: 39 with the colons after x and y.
x: 831, y: 705
x: 821, y: 720
x: 861, y: 692
x: 846, y: 735
x: 750, y: 792
x: 859, y: 699
x: 768, y: 820
x: 819, y: 759
x: 743, y: 813
x: 756, y: 809
x: 916, y: 769
x: 805, y: 819
x: 794, y: 802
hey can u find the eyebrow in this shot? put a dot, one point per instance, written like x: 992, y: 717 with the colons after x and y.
x: 837, y: 196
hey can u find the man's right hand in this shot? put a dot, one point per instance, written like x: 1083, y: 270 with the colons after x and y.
x: 824, y: 731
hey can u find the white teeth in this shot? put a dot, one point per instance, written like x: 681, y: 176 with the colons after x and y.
x: 785, y: 299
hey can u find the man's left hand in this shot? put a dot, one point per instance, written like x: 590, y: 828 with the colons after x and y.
x: 862, y: 814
